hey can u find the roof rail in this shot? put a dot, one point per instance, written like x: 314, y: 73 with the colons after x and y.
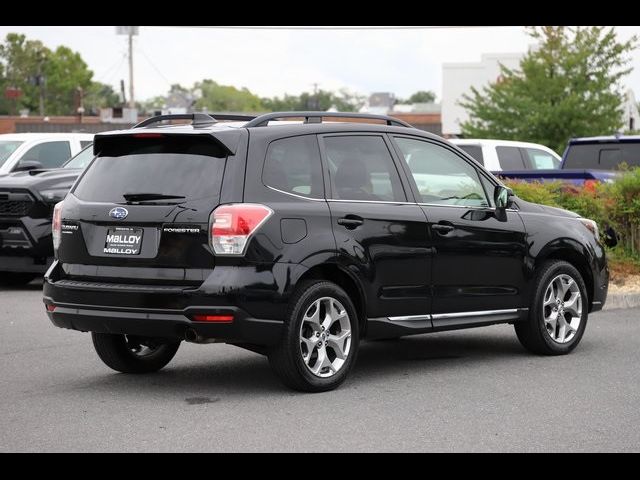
x: 196, y: 118
x: 316, y: 117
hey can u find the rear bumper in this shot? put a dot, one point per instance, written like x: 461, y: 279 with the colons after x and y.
x: 166, y: 324
x: 258, y: 309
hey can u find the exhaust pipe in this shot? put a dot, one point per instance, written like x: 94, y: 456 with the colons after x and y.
x: 191, y: 336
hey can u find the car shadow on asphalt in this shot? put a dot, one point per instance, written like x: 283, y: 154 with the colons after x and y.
x: 30, y: 287
x: 202, y: 383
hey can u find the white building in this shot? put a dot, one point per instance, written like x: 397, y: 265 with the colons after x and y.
x: 458, y: 78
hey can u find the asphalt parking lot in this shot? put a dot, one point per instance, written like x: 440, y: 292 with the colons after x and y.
x: 473, y: 390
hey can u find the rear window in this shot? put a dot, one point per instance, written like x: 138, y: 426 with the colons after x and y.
x: 475, y: 151
x: 181, y: 166
x: 605, y: 156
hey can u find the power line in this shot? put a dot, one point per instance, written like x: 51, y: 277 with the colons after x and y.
x: 313, y: 27
x: 154, y: 66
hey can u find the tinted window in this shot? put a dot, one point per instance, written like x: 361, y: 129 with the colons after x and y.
x: 474, y: 150
x: 179, y: 166
x: 48, y: 154
x: 293, y: 165
x: 541, y: 160
x: 362, y: 168
x: 602, y: 155
x: 85, y: 143
x: 510, y: 158
x: 441, y: 176
x: 81, y: 160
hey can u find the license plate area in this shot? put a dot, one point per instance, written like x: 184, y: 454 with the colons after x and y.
x: 123, y: 241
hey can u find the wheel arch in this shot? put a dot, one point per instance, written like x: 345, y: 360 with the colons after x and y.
x: 572, y: 255
x: 345, y: 280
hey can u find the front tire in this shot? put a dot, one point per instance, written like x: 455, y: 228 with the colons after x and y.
x: 129, y: 354
x: 558, y: 313
x: 320, y: 339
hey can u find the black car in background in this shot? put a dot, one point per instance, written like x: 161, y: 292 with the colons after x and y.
x: 27, y: 199
x: 297, y: 239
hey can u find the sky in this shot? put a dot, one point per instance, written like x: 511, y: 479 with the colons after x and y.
x: 274, y: 62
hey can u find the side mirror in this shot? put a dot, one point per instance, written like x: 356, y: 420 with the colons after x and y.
x: 27, y: 165
x: 502, y: 197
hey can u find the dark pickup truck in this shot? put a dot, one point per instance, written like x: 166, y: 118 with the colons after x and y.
x: 26, y: 205
x: 591, y: 159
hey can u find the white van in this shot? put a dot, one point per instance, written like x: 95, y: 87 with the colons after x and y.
x: 499, y: 155
x: 29, y: 151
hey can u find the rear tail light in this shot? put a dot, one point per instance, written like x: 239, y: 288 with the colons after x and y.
x: 56, y: 225
x: 231, y: 226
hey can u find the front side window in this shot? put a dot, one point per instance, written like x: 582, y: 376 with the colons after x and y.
x: 442, y: 177
x: 293, y: 166
x: 541, y: 160
x: 510, y: 158
x: 361, y: 168
x: 48, y: 154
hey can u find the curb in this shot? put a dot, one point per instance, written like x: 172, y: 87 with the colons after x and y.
x: 622, y: 300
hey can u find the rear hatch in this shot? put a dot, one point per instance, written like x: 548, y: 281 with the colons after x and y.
x: 140, y: 212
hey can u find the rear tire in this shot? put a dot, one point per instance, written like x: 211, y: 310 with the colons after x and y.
x: 558, y: 312
x: 320, y: 339
x: 129, y: 354
x: 11, y: 279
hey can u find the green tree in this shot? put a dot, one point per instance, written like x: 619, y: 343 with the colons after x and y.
x: 23, y: 62
x: 343, y: 101
x: 100, y: 95
x: 421, y: 96
x: 66, y: 73
x: 60, y: 77
x: 569, y: 86
x: 225, y: 98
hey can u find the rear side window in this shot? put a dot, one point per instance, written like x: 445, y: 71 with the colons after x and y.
x: 48, y: 154
x: 474, y: 150
x: 510, y: 158
x: 293, y: 166
x: 85, y: 143
x: 179, y: 165
x: 362, y: 168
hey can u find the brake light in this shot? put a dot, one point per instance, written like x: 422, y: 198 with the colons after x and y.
x: 56, y: 225
x: 214, y: 318
x: 50, y: 308
x: 231, y: 226
x: 148, y: 135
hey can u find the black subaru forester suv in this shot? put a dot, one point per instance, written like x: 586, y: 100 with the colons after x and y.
x: 297, y: 238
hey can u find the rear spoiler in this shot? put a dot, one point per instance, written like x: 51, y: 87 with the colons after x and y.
x: 227, y: 139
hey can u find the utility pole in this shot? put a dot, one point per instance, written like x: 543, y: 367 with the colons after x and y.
x: 132, y: 102
x: 130, y: 32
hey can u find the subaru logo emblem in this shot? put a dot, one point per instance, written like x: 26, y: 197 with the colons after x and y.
x: 118, y: 213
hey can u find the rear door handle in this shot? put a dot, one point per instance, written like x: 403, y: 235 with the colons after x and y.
x: 442, y: 228
x: 350, y: 221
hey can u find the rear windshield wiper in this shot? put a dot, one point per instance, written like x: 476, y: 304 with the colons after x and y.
x: 147, y: 197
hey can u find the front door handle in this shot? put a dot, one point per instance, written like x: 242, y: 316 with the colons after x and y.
x: 350, y: 221
x: 442, y: 228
